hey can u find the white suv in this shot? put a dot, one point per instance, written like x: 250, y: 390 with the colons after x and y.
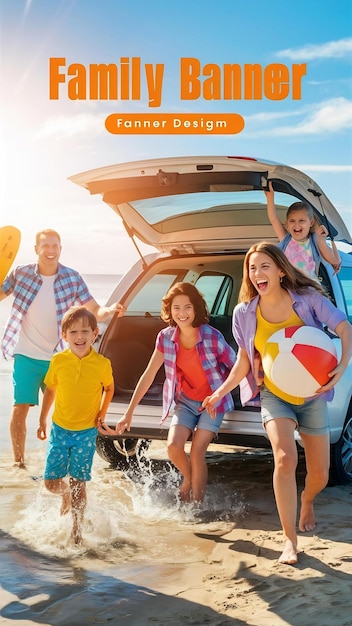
x: 202, y: 214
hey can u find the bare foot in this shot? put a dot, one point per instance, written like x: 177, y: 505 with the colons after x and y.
x: 307, y: 517
x: 19, y: 464
x: 66, y: 503
x: 289, y: 554
x: 185, y: 491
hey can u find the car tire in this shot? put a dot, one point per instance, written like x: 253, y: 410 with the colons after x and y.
x: 122, y: 454
x: 341, y: 455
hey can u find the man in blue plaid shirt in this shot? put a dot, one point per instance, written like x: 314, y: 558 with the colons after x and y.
x: 43, y: 292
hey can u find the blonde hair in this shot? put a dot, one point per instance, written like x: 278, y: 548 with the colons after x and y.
x: 44, y: 233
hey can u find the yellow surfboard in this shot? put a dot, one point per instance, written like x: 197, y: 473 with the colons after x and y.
x: 10, y: 238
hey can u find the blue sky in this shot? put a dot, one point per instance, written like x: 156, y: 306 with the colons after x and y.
x: 43, y: 142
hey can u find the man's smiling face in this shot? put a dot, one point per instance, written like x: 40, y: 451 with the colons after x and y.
x: 48, y: 250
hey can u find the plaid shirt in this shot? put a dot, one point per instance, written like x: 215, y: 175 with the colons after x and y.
x: 216, y: 357
x: 25, y: 282
x: 312, y: 307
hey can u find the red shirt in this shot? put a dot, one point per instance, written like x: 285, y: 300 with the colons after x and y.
x: 190, y: 374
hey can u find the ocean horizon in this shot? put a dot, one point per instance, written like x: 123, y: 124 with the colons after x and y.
x: 100, y: 286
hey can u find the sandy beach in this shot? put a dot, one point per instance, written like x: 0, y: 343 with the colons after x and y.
x: 147, y: 561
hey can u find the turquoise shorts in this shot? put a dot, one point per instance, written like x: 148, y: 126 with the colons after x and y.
x: 70, y: 452
x: 311, y: 417
x: 187, y: 414
x: 28, y: 377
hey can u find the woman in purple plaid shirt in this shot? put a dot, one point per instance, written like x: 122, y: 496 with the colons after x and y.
x: 275, y: 295
x: 197, y: 360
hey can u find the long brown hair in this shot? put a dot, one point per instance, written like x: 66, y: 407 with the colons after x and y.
x: 196, y: 298
x: 293, y: 278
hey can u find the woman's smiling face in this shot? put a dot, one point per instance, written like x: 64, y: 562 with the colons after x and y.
x: 264, y: 274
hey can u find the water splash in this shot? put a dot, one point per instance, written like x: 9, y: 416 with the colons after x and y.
x: 129, y: 516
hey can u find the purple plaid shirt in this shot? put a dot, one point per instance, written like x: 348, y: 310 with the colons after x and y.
x: 312, y: 307
x: 25, y: 282
x: 216, y: 357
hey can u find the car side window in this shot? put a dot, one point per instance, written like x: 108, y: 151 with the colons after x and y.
x: 345, y: 278
x: 148, y: 299
x: 216, y: 289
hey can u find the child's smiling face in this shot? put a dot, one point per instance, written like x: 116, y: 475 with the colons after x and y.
x: 298, y: 224
x: 80, y: 337
x: 182, y: 311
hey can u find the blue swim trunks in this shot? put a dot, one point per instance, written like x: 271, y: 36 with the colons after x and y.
x: 28, y: 377
x: 70, y: 452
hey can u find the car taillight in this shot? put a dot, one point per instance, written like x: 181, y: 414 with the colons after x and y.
x: 243, y: 158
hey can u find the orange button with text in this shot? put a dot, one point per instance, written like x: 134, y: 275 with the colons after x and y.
x: 174, y: 123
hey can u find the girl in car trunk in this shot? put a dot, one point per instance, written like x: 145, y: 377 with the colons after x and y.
x: 275, y: 295
x: 197, y: 360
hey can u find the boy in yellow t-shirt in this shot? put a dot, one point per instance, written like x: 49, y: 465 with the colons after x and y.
x: 81, y: 382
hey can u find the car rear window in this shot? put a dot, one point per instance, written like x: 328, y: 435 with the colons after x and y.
x: 157, y: 210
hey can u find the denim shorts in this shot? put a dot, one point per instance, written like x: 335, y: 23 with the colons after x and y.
x: 186, y: 413
x: 28, y: 377
x: 70, y: 452
x: 311, y: 417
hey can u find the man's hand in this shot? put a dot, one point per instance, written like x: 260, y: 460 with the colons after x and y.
x: 117, y: 308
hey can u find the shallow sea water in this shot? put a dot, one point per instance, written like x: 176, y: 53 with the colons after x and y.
x: 136, y: 534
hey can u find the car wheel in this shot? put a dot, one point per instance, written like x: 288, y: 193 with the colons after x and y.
x: 122, y: 454
x: 341, y: 456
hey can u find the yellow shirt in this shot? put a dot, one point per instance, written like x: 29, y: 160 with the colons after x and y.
x: 79, y: 385
x: 267, y: 352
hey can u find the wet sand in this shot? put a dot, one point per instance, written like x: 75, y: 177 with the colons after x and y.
x: 146, y: 560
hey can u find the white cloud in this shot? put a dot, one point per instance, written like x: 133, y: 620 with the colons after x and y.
x: 63, y: 126
x: 330, y: 116
x: 328, y: 50
x: 259, y: 118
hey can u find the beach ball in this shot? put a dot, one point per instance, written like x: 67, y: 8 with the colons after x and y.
x: 298, y: 359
